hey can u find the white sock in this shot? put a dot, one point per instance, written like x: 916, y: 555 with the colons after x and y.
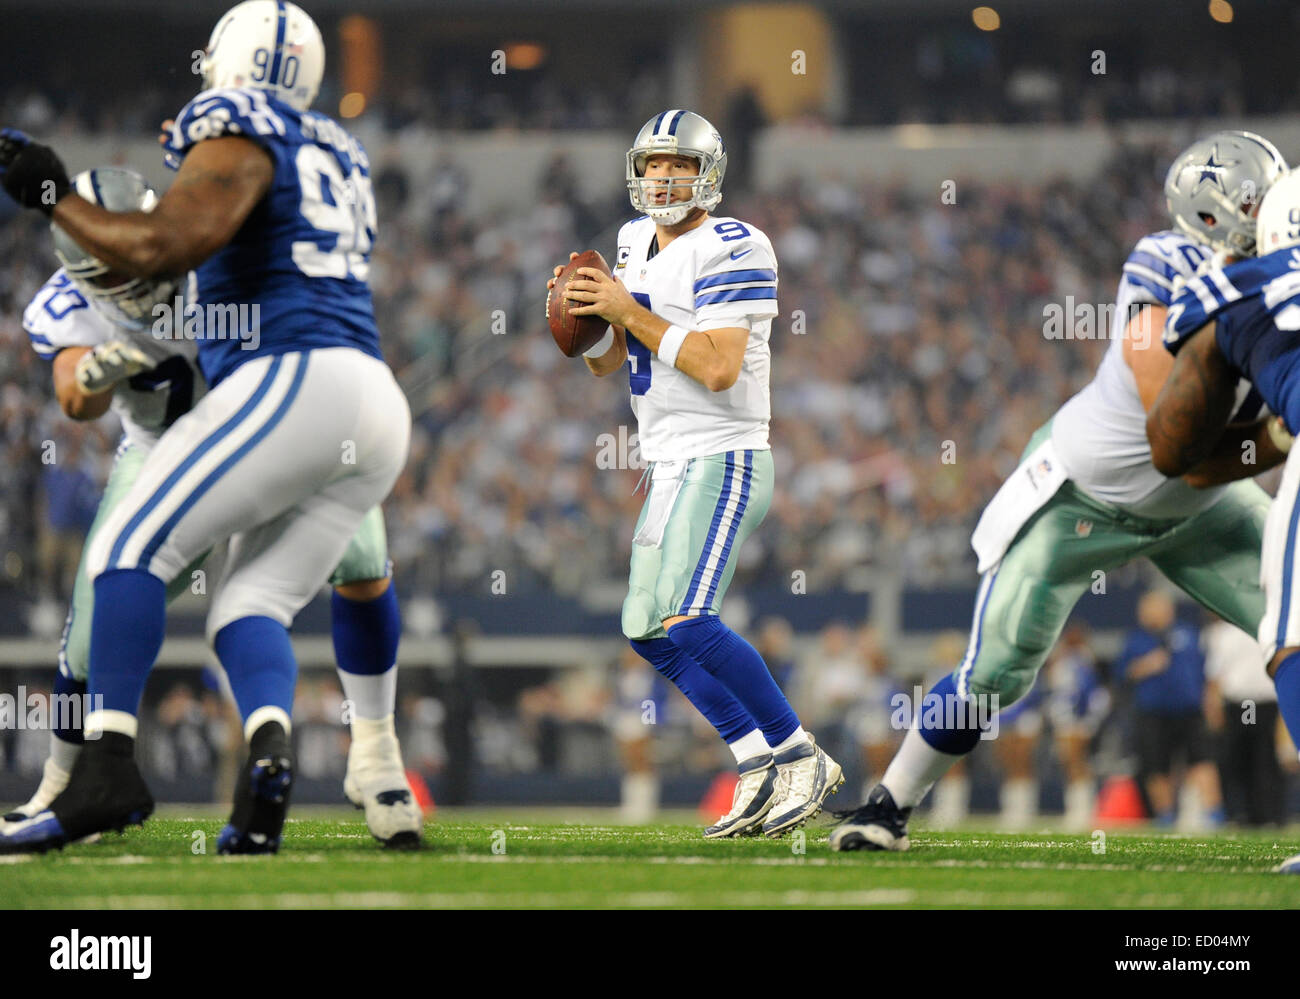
x: 640, y: 797
x: 951, y: 802
x: 796, y: 738
x: 914, y: 769
x: 372, y: 696
x: 1080, y: 804
x: 748, y: 746
x: 64, y: 753
x: 365, y: 729
x: 1019, y: 802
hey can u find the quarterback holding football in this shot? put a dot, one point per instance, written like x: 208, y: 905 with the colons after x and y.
x: 690, y: 304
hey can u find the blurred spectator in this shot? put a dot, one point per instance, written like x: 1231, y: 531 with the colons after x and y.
x: 181, y: 743
x: 775, y: 644
x: 320, y: 736
x: 905, y: 306
x: 872, y: 720
x: 638, y: 700
x: 1078, y: 705
x: 71, y: 498
x: 1162, y: 660
x: 1241, y: 706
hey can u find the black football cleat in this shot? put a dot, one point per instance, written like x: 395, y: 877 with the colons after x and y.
x: 105, y: 792
x: 261, y: 795
x: 878, y: 824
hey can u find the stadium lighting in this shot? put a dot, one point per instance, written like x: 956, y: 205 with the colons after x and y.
x: 351, y: 105
x: 1221, y: 11
x: 987, y: 19
x: 525, y: 55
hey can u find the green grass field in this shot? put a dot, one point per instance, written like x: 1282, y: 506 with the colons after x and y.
x: 485, y: 860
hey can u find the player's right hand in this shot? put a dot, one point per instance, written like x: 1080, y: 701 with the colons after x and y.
x: 109, y: 363
x: 551, y: 283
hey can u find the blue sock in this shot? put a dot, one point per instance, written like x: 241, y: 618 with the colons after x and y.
x: 65, y: 721
x: 1287, y: 682
x: 259, y: 662
x: 126, y: 635
x: 937, y: 710
x: 736, y: 664
x: 366, y: 634
x: 711, y: 699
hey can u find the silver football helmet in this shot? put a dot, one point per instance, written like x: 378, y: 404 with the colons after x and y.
x: 124, y: 299
x: 679, y: 133
x: 1215, y: 187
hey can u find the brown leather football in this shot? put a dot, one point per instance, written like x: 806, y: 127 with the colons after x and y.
x: 574, y: 335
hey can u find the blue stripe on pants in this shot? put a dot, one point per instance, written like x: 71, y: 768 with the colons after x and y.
x: 718, y: 512
x: 211, y: 441
x: 1288, y: 560
x: 157, y: 540
x: 739, y: 515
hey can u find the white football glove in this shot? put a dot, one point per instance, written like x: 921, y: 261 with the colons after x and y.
x: 109, y: 363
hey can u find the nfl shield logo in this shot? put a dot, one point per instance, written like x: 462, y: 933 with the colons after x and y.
x: 643, y: 270
x: 1083, y: 528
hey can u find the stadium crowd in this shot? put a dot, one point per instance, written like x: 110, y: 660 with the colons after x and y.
x: 910, y: 366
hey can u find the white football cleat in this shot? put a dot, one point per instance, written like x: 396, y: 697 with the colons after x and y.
x: 376, y: 781
x: 805, y: 776
x: 755, y: 793
x: 1289, y: 866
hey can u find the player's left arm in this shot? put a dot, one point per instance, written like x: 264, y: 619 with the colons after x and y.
x: 221, y: 180
x: 1193, y: 407
x: 712, y: 358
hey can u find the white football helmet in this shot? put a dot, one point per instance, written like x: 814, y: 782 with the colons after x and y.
x: 681, y: 133
x: 269, y: 44
x: 1278, y: 225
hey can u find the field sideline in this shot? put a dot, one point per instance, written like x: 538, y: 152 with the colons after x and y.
x: 475, y: 860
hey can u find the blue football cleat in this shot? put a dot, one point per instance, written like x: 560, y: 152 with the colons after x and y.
x: 261, y: 796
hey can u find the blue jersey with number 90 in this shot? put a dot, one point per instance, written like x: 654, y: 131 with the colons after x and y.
x: 298, y: 268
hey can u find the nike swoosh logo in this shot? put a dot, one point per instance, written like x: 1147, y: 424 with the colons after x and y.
x: 737, y: 256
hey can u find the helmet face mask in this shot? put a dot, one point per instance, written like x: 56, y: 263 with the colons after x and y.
x: 676, y: 133
x: 127, y: 301
x: 1214, y: 189
x: 272, y: 45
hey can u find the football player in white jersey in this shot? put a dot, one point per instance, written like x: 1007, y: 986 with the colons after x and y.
x: 1087, y: 498
x: 96, y: 329
x: 691, y: 307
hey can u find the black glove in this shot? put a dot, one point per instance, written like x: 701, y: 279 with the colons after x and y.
x: 32, y: 174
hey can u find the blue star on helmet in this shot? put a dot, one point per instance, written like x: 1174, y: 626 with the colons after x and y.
x: 1212, y: 171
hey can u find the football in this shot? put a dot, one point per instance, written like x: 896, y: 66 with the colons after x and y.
x: 574, y: 334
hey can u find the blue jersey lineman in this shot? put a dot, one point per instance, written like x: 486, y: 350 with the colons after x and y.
x: 304, y: 428
x: 1243, y: 321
